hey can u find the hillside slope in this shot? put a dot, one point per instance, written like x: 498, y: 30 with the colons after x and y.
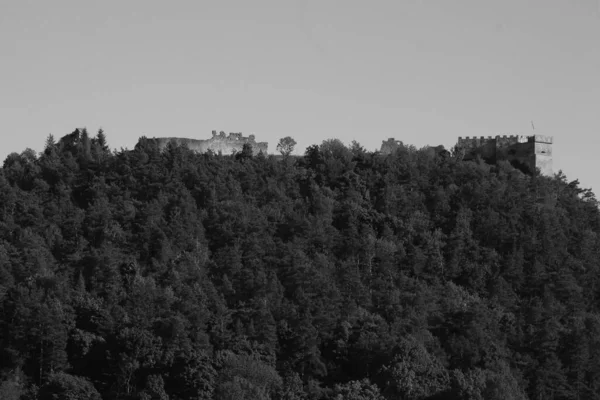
x: 342, y: 274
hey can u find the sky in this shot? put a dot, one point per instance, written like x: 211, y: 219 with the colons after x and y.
x: 421, y: 71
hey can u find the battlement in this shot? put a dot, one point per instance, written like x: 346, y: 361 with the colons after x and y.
x: 501, y: 139
x: 531, y: 151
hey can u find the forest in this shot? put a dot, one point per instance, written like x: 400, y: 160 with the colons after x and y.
x: 338, y: 274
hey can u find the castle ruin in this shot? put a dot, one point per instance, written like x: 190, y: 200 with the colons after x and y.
x: 390, y: 146
x: 525, y: 152
x: 530, y: 152
x: 219, y: 143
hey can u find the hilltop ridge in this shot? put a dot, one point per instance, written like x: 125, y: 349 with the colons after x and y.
x: 342, y: 273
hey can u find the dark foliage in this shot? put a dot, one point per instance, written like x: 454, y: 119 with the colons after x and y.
x: 342, y: 274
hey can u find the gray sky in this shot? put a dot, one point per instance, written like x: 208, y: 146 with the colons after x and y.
x: 424, y: 72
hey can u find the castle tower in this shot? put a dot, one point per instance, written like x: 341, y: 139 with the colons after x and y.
x: 543, y: 153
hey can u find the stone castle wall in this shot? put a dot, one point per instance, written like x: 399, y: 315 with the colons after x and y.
x: 531, y: 151
x: 390, y: 146
x: 219, y: 143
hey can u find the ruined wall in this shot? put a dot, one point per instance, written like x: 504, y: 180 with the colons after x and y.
x: 390, y: 146
x: 478, y: 146
x: 220, y: 142
x: 530, y: 151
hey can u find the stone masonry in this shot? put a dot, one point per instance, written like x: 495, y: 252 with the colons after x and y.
x: 530, y: 152
x: 226, y: 144
x: 527, y: 152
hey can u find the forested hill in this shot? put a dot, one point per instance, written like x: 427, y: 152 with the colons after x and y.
x: 341, y: 274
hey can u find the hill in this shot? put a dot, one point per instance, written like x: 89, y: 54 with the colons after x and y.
x: 342, y: 274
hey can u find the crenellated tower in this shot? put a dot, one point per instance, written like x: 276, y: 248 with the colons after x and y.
x: 530, y: 152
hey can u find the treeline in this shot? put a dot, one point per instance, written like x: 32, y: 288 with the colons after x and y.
x: 341, y: 274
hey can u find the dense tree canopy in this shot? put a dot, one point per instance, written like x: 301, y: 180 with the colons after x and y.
x: 342, y: 274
